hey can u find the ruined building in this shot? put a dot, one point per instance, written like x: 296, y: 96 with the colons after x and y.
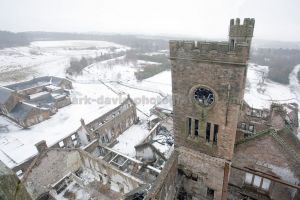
x: 208, y: 80
x: 31, y: 102
x: 10, y: 186
x: 224, y: 149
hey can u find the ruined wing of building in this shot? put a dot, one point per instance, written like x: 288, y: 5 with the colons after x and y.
x: 31, y: 102
x: 224, y: 149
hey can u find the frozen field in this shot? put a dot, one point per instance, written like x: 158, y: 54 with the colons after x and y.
x: 48, y: 58
x: 52, y: 58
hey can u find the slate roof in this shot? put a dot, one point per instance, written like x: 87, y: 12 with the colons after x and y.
x: 5, y: 93
x: 285, y: 138
x: 22, y: 110
x: 39, y: 81
x: 291, y: 139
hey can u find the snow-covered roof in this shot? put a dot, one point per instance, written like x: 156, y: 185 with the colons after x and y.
x: 53, y: 87
x: 39, y: 81
x: 22, y: 110
x: 58, y: 96
x: 166, y: 104
x: 39, y: 94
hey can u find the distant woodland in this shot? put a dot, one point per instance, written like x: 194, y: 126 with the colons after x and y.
x: 143, y: 44
x: 9, y: 39
x: 280, y: 61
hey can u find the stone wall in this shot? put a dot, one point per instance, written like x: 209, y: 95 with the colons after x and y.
x: 205, y: 134
x: 207, y: 172
x: 257, y: 118
x: 10, y: 186
x: 264, y: 154
x: 63, y: 102
x: 223, y: 79
x: 49, y: 168
x: 30, y: 91
x: 54, y: 164
x: 10, y: 104
x: 241, y: 32
x: 113, y: 123
x: 78, y: 137
x: 36, y: 116
x: 165, y: 185
x: 114, y: 178
x: 215, y: 52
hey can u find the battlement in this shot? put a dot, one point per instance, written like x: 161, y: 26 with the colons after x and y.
x: 209, y: 51
x: 235, y: 51
x: 241, y: 30
x: 247, y: 22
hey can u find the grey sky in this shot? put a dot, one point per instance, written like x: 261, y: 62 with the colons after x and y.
x: 275, y: 19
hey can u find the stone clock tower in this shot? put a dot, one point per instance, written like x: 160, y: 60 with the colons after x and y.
x: 208, y: 80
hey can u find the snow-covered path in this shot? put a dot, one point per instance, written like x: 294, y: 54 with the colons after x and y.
x: 295, y: 87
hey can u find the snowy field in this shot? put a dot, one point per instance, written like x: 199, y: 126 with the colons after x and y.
x: 261, y: 92
x: 106, y: 79
x: 48, y: 58
x: 52, y: 58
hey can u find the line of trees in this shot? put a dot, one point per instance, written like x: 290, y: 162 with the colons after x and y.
x: 280, y: 61
x: 77, y: 65
x: 10, y: 39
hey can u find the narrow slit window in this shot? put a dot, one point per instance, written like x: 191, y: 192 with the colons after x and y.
x: 257, y: 181
x: 196, y: 127
x: 216, y: 130
x: 266, y: 184
x: 208, y: 132
x: 248, y: 178
x: 232, y: 45
x: 243, y: 126
x: 189, y: 125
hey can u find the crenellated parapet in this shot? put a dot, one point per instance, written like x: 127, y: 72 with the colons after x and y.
x: 219, y: 52
x: 241, y: 30
x: 235, y: 51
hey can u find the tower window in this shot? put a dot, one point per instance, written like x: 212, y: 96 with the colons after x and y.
x: 232, y: 45
x: 243, y: 126
x: 196, y: 127
x: 208, y: 132
x: 210, y: 193
x: 251, y: 128
x: 216, y: 130
x: 189, y: 126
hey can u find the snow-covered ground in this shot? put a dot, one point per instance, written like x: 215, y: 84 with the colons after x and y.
x: 48, y: 57
x: 18, y: 144
x: 260, y: 94
x: 52, y: 58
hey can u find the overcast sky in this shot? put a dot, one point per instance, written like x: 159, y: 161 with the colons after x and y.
x: 275, y: 19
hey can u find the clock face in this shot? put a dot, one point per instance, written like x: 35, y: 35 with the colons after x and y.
x: 204, y: 96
